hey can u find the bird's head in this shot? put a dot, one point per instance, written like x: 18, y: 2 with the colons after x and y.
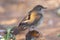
x: 39, y: 8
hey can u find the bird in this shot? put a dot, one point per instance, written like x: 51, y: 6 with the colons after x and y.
x: 33, y: 35
x: 34, y: 18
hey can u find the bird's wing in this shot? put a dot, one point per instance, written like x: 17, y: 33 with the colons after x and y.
x: 33, y: 17
x: 27, y: 17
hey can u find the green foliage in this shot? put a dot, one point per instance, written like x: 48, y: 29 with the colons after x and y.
x: 8, y: 35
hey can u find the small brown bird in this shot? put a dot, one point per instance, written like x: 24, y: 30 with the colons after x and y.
x: 31, y: 35
x: 34, y: 18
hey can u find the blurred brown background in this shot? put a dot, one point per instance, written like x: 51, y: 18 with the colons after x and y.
x: 13, y: 11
